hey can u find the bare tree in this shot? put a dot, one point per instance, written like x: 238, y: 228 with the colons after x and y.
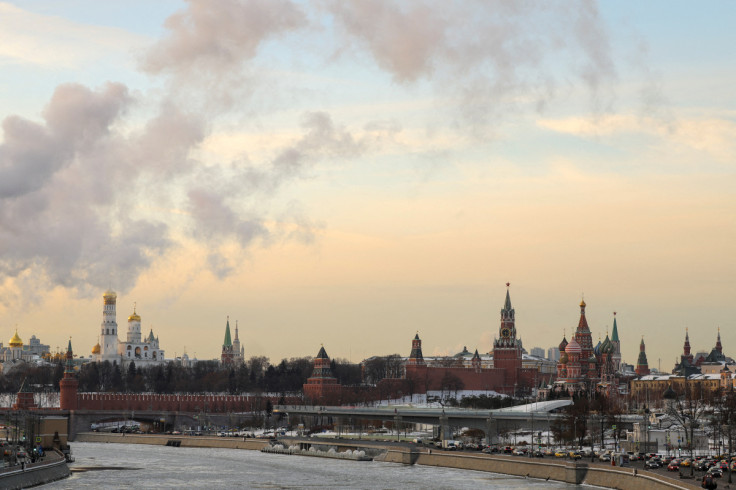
x: 687, y: 409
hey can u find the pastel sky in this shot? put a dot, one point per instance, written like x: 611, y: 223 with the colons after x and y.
x: 350, y: 173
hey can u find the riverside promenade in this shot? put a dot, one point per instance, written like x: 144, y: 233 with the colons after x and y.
x: 52, y: 468
x: 597, y: 474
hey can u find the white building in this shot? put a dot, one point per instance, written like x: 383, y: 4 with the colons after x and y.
x: 143, y: 351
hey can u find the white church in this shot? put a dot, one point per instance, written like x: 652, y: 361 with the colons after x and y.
x: 144, y: 352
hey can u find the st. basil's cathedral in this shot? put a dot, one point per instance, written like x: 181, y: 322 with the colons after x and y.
x: 584, y: 367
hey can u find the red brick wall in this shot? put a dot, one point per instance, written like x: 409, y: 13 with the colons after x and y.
x: 171, y: 403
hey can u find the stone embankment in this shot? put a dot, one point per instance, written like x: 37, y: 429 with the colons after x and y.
x: 52, y: 468
x: 600, y: 475
x: 182, y: 441
x: 565, y: 471
x: 295, y: 450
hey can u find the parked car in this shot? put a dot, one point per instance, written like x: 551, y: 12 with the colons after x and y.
x: 715, y: 472
x: 560, y: 454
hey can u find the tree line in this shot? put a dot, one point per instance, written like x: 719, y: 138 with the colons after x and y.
x: 257, y: 374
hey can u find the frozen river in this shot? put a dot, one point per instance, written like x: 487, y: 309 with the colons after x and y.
x: 169, y: 467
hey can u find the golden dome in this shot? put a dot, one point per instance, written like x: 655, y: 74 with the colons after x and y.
x: 16, y: 341
x: 135, y: 317
x: 582, y: 303
x: 97, y: 348
x: 110, y: 294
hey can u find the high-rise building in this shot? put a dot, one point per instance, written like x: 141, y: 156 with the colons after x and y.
x: 537, y: 351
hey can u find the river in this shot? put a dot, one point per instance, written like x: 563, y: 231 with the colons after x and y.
x: 169, y: 467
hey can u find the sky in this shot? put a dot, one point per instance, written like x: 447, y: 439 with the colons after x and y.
x: 352, y: 173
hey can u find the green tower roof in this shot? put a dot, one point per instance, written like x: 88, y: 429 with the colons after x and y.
x: 228, y: 341
x: 614, y: 334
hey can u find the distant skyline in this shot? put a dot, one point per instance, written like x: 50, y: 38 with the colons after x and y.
x: 350, y: 173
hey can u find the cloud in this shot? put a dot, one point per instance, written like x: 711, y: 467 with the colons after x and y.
x: 489, y: 54
x: 54, y: 42
x: 711, y: 134
x: 220, y: 36
x: 87, y: 203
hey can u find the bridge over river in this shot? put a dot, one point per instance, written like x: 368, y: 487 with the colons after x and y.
x: 533, y: 417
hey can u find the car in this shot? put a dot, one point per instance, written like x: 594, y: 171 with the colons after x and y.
x: 701, y: 465
x: 673, y: 466
x: 574, y: 455
x: 559, y: 454
x: 508, y: 450
x: 653, y: 464
x: 538, y: 454
x: 605, y: 457
x: 715, y: 472
x: 686, y: 462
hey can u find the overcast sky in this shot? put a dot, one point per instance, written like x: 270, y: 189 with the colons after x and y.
x: 350, y: 173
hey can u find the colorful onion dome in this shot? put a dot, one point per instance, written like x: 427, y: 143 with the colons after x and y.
x: 563, y: 344
x: 15, y: 341
x: 573, y: 347
x: 563, y: 358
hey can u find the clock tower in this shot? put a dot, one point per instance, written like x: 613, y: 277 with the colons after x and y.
x: 507, y: 348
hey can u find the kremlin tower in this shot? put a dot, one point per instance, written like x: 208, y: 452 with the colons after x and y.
x: 227, y: 346
x: 642, y: 366
x: 416, y: 357
x: 616, y: 357
x: 232, y: 353
x: 68, y: 384
x: 507, y: 348
x: 322, y: 386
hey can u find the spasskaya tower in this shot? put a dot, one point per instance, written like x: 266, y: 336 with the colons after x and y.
x: 507, y: 348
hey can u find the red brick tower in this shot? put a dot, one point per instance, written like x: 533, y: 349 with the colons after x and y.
x: 686, y: 356
x: 322, y: 386
x: 227, y: 346
x: 506, y: 348
x: 642, y: 365
x: 68, y: 384
x: 416, y: 357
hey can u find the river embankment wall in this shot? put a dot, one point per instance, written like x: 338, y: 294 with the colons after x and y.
x: 600, y: 475
x: 564, y: 471
x: 184, y: 441
x: 52, y: 468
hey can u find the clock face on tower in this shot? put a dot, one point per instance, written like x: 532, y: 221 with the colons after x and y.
x: 505, y: 333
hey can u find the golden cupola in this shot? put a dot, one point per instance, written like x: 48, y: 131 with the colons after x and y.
x: 16, y: 341
x: 97, y: 348
x: 135, y: 317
